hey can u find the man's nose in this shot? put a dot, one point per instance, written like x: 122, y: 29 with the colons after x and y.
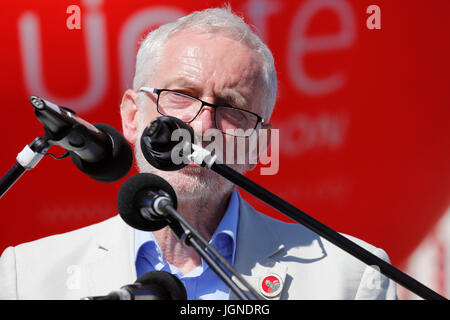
x: 204, y: 120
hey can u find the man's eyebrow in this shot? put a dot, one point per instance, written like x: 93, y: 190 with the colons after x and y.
x: 181, y: 82
x: 228, y: 96
x: 233, y: 98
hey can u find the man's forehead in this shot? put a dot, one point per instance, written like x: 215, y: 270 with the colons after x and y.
x: 232, y: 66
x: 192, y: 34
x: 192, y: 41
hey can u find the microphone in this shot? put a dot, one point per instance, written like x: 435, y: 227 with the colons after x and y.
x: 154, y: 285
x: 157, y: 144
x: 98, y: 150
x: 141, y: 198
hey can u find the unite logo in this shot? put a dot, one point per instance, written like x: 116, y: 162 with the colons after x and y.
x: 327, y: 129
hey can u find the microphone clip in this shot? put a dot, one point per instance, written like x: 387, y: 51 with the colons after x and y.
x: 201, y: 157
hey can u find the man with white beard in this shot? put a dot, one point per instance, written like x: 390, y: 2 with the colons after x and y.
x: 211, y: 71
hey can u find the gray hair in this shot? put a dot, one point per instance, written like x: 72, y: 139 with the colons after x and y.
x: 215, y: 21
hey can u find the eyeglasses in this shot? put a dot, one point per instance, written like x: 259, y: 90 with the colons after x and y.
x: 228, y: 119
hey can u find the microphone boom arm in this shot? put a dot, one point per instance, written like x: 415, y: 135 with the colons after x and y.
x: 191, y: 237
x: 203, y: 158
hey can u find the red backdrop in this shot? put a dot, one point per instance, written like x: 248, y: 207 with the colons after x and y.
x: 363, y: 114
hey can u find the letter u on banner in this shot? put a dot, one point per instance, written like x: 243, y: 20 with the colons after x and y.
x: 95, y: 40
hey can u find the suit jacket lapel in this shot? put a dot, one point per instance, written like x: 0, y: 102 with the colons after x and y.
x: 113, y: 263
x: 258, y: 250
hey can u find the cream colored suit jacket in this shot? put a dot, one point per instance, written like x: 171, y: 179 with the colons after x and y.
x: 98, y: 259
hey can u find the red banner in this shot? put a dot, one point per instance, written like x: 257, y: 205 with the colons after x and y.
x: 363, y: 108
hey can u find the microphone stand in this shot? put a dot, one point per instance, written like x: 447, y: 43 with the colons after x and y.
x: 203, y: 158
x: 27, y: 159
x: 191, y: 237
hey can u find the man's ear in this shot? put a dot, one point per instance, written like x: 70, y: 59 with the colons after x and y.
x: 128, y: 113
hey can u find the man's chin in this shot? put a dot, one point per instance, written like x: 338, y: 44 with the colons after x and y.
x: 192, y: 182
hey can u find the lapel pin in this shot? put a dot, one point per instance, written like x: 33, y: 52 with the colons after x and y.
x: 271, y: 285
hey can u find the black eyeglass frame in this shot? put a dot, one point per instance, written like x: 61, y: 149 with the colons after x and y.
x: 259, y: 119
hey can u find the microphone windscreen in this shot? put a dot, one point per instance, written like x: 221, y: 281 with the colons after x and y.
x: 169, y: 285
x: 116, y: 163
x: 157, y: 144
x: 132, y: 197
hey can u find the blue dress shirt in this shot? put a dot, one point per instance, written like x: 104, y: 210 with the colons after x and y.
x: 202, y: 283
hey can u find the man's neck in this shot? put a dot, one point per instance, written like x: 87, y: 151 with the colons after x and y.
x: 204, y: 214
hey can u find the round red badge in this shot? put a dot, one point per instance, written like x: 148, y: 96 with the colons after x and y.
x: 270, y: 286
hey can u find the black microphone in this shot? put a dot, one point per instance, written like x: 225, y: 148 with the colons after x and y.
x: 154, y: 285
x: 140, y: 199
x: 98, y: 150
x: 158, y: 147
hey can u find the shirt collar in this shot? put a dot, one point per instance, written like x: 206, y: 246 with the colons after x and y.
x: 228, y: 226
x: 227, y: 229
